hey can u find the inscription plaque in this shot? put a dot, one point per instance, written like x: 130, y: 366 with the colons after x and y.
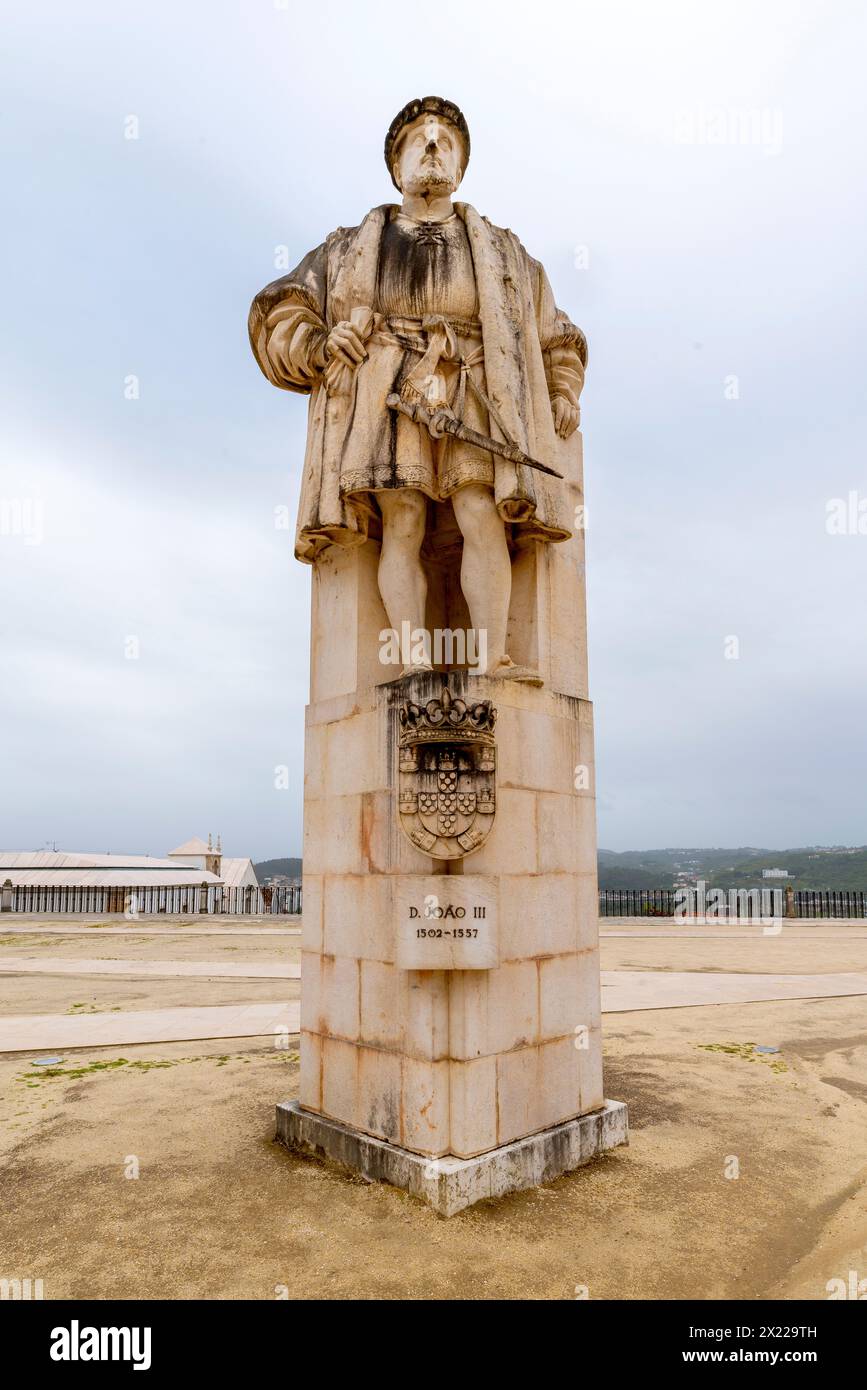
x: 446, y: 922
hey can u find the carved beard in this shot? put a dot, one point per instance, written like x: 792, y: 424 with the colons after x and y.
x: 430, y: 177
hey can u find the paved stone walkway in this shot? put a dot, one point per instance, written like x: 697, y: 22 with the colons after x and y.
x: 35, y: 1033
x: 623, y: 991
x: 144, y: 969
x: 626, y: 990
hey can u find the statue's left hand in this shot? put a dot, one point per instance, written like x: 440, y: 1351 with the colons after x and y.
x: 566, y: 416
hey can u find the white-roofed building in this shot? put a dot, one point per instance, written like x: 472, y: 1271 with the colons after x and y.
x: 50, y: 868
x: 194, y: 878
x: 191, y: 864
x: 232, y: 873
x: 193, y: 847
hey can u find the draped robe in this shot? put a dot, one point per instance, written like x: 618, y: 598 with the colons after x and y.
x: 531, y: 352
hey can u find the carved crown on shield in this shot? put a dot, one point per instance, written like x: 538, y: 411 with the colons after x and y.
x: 447, y: 761
x: 445, y: 719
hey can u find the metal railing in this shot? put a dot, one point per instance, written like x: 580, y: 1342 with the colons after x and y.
x: 285, y: 899
x: 148, y: 901
x: 811, y: 903
x: 734, y: 904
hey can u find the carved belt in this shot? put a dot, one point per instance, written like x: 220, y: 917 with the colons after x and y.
x: 414, y: 332
x: 435, y: 338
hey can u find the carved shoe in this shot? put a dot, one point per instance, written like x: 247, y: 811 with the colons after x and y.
x: 418, y: 668
x: 507, y: 670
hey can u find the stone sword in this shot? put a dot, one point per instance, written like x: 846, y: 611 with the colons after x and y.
x: 443, y: 422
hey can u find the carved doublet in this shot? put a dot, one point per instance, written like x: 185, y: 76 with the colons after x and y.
x: 426, y: 268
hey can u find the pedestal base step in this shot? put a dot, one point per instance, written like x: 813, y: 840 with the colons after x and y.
x: 450, y: 1184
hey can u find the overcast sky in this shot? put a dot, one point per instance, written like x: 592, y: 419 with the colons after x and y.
x: 692, y: 177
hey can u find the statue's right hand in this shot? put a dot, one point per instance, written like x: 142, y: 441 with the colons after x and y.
x: 346, y: 344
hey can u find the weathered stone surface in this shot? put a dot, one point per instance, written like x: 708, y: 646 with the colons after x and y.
x: 535, y: 1013
x: 451, y: 1184
x: 446, y: 922
x: 449, y: 735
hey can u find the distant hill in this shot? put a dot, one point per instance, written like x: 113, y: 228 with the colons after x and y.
x: 268, y: 867
x: 659, y: 868
x: 836, y: 867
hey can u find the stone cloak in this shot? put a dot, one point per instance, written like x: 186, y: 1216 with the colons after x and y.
x: 524, y: 336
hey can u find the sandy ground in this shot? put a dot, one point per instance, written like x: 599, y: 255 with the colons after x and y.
x: 218, y: 1210
x: 811, y: 950
x: 162, y: 945
x: 77, y: 994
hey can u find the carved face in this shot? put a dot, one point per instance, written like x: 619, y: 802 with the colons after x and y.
x: 430, y: 156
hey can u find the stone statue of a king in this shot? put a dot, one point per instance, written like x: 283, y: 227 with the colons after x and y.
x: 426, y: 304
x: 450, y: 1001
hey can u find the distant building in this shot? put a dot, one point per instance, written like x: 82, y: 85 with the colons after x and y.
x: 232, y: 873
x: 775, y: 873
x: 189, y: 864
x: 53, y: 868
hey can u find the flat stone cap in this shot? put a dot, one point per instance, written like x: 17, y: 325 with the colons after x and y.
x: 438, y: 106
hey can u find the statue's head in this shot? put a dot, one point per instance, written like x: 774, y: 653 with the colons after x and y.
x: 427, y: 147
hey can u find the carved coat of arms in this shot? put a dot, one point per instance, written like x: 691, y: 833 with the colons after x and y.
x: 447, y: 794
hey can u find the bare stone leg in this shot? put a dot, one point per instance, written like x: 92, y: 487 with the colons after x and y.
x: 402, y: 580
x: 486, y: 570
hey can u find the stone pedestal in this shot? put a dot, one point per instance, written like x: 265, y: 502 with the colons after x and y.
x: 450, y: 1184
x: 482, y: 1047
